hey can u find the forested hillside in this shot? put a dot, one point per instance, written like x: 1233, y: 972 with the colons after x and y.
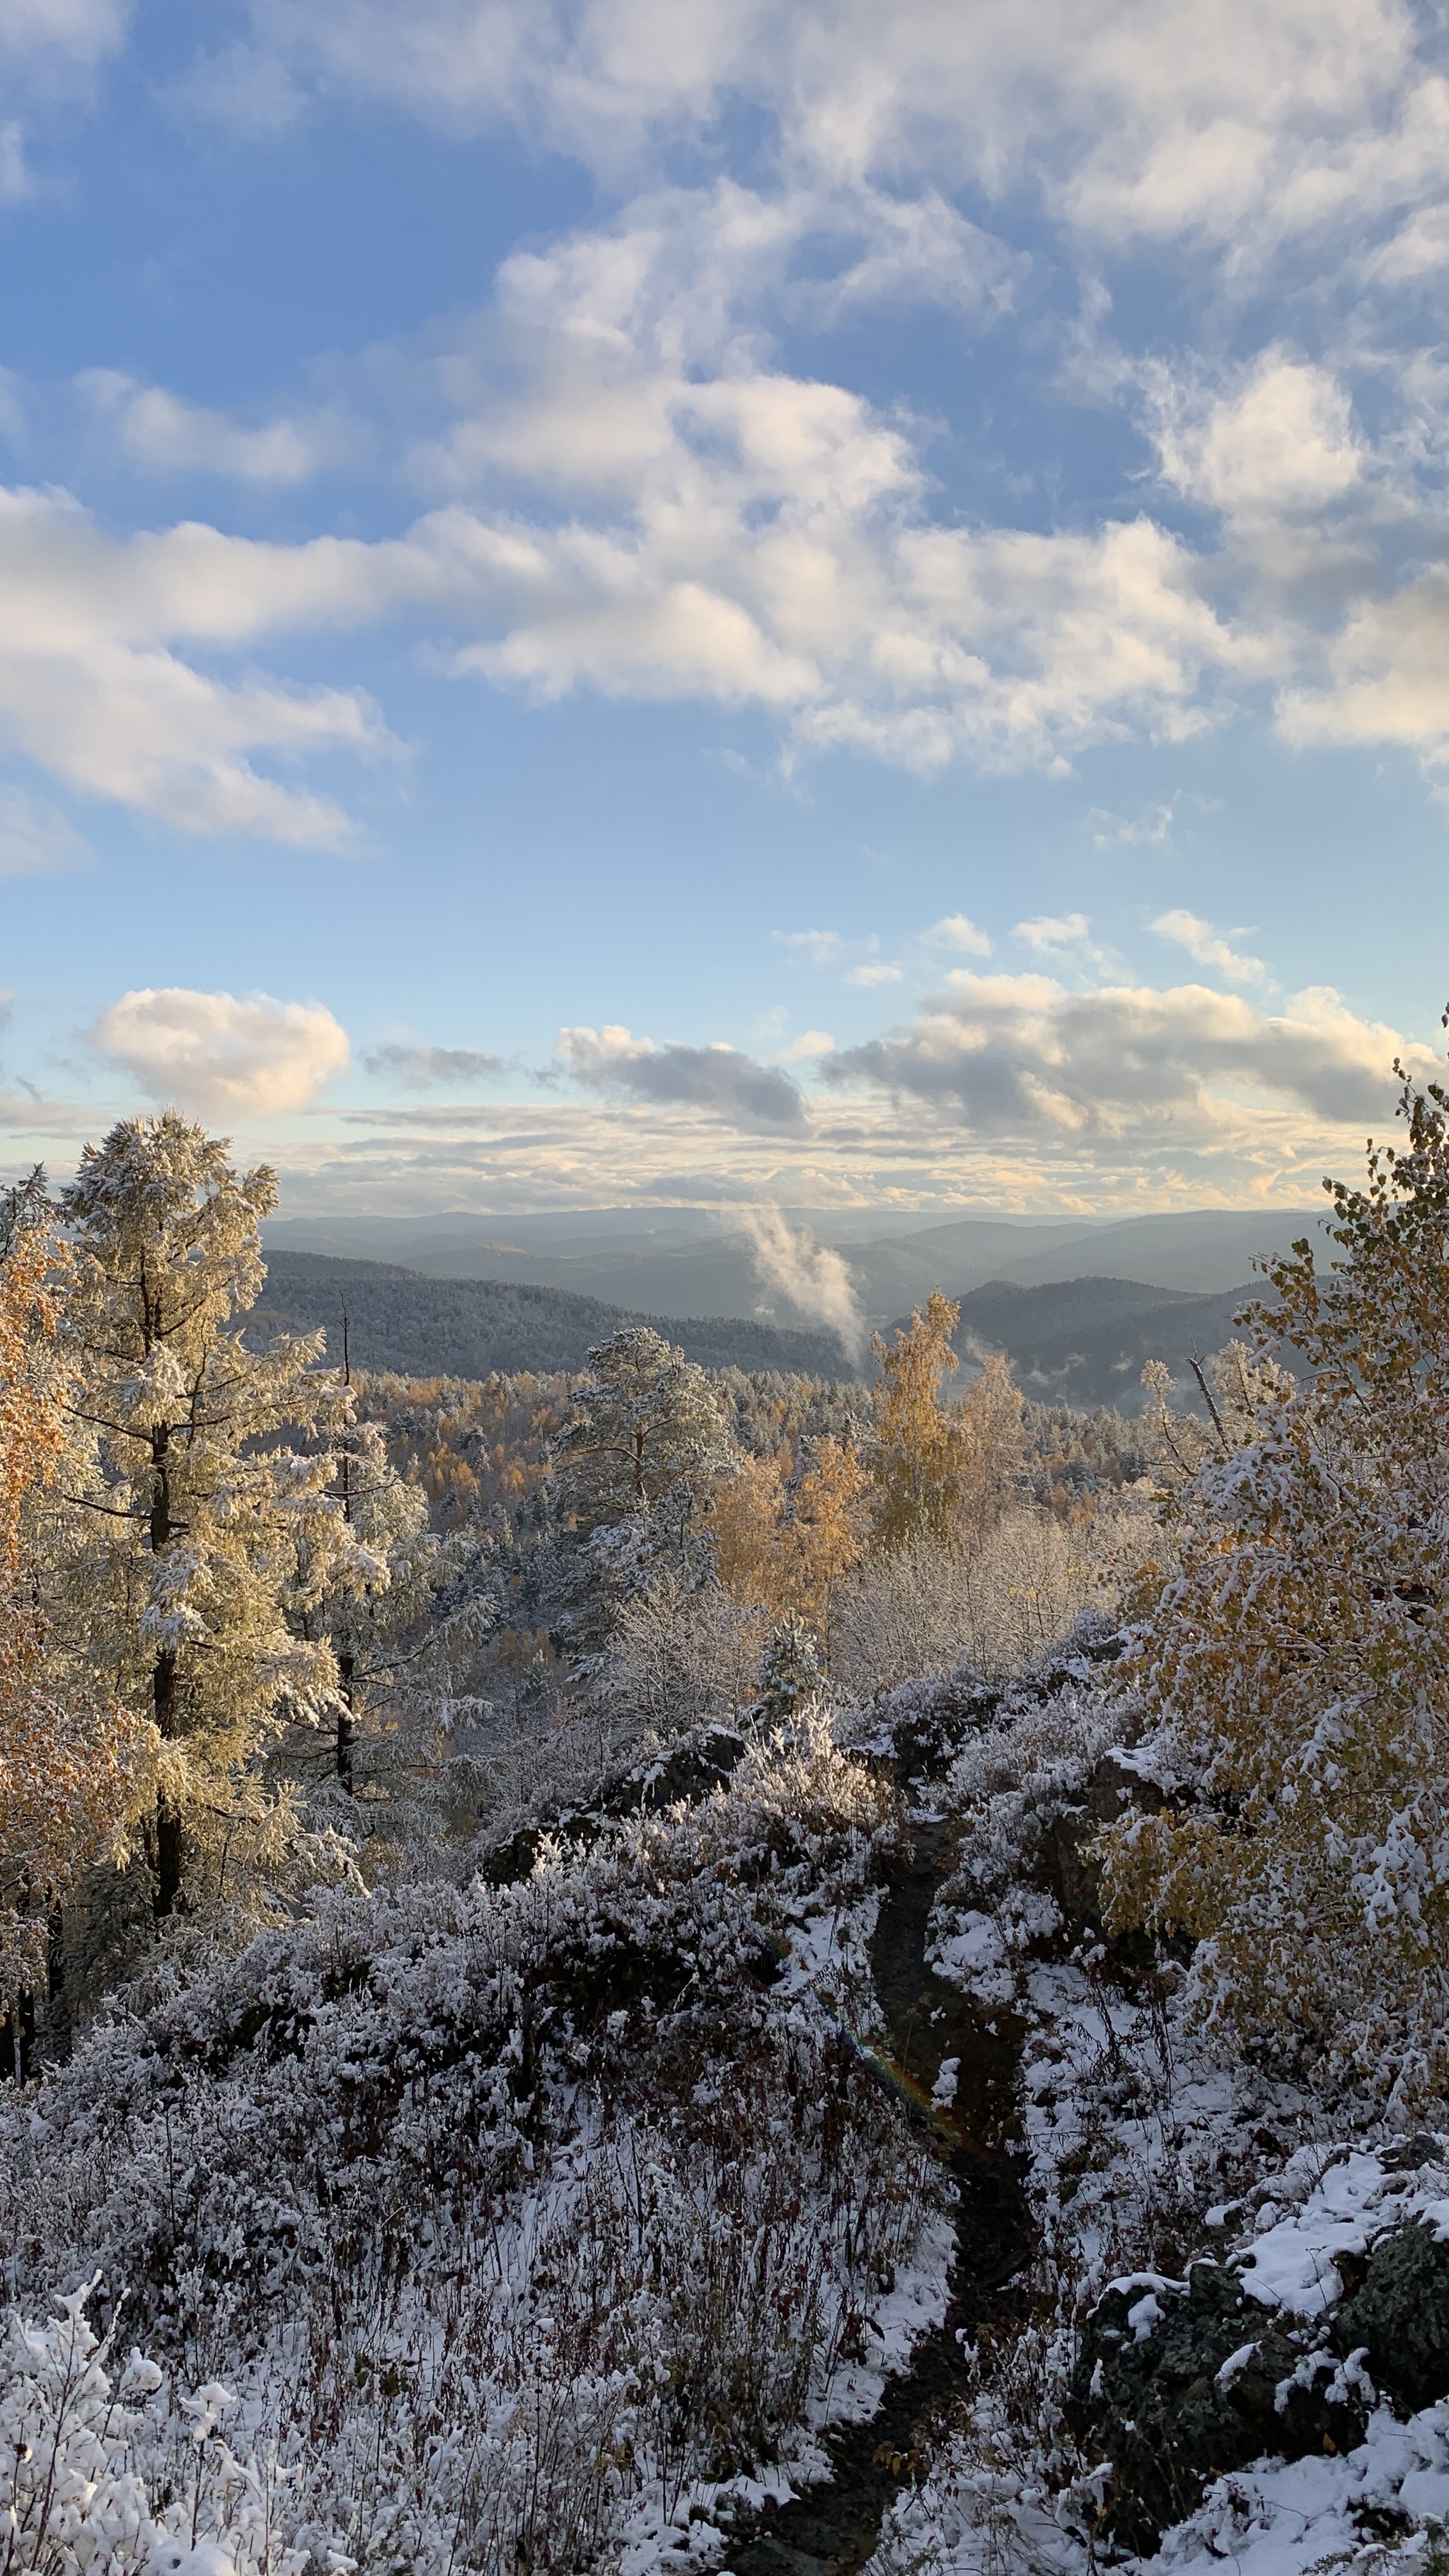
x: 1085, y: 1342
x: 469, y: 1327
x: 638, y: 1967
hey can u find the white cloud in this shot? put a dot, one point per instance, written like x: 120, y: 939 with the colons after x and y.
x: 163, y: 434
x: 1174, y: 1069
x: 1387, y: 676
x: 712, y: 1078
x: 1003, y: 1093
x: 822, y: 947
x: 1282, y: 441
x: 1214, y: 119
x: 221, y: 1056
x: 749, y: 536
x: 808, y: 1047
x: 875, y: 971
x: 1209, y: 948
x: 647, y: 509
x: 957, y: 931
x: 648, y: 505
x: 91, y: 689
x: 1151, y: 829
x: 1049, y: 933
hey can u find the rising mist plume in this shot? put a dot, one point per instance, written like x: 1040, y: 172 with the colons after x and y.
x: 813, y: 1276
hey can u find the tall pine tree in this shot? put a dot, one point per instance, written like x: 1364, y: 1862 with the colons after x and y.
x: 198, y: 1523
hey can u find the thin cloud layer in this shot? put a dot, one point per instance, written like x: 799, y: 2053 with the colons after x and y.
x: 34, y: 838
x: 714, y: 1078
x: 222, y: 1056
x: 431, y: 1068
x: 1208, y: 947
x: 165, y: 435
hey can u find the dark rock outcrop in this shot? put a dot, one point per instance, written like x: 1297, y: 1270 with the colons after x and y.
x: 1399, y: 2316
x: 1208, y: 2383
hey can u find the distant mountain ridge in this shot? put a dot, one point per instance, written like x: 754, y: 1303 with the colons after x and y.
x: 420, y: 1327
x: 1085, y: 1342
x: 691, y: 1263
x: 1081, y: 1342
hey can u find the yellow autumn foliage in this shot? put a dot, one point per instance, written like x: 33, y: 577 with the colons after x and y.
x: 70, y: 1768
x: 1296, y: 1674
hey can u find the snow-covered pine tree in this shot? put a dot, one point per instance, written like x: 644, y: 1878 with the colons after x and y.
x: 645, y: 1422
x: 70, y: 1768
x: 403, y: 1610
x: 790, y: 1669
x: 197, y: 1524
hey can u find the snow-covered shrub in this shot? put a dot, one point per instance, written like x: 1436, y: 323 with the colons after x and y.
x: 1021, y: 1787
x: 997, y: 1603
x: 506, y: 2206
x: 1015, y: 1779
x: 84, y: 2462
x: 70, y: 2505
x: 680, y: 1651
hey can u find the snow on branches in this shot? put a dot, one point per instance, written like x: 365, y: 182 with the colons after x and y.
x: 1298, y: 1669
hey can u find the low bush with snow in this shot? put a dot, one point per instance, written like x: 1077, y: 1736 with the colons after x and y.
x: 509, y: 2211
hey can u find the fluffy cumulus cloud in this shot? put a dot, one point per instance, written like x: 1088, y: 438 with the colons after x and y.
x: 740, y: 533
x: 94, y: 689
x: 1021, y: 1055
x: 221, y: 1056
x: 637, y: 494
x: 713, y: 1078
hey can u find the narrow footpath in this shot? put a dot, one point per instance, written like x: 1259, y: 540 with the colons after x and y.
x: 833, y: 2527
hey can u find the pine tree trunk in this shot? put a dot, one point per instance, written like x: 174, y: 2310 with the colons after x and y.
x: 17, y: 2040
x: 168, y: 1814
x: 346, y: 1727
x: 164, y: 1698
x: 57, y: 2012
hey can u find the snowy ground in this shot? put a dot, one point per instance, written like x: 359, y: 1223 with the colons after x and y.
x: 1138, y: 2137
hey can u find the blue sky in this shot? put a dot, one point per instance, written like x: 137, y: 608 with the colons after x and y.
x: 725, y: 601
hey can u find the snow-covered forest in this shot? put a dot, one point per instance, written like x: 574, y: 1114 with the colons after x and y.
x: 667, y: 1969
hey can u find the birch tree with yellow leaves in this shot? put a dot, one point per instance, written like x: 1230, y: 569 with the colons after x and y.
x: 939, y: 1472
x: 1296, y: 1674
